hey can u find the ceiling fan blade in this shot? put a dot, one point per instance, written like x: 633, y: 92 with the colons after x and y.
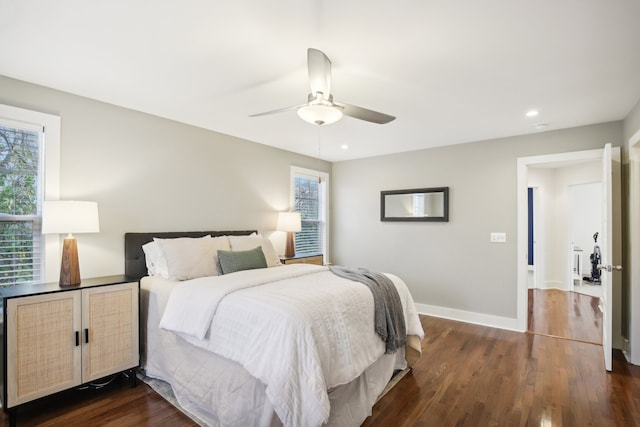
x: 365, y: 114
x: 319, y: 67
x: 279, y: 110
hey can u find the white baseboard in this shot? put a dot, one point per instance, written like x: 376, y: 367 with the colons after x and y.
x: 492, y: 321
x: 625, y: 349
x: 553, y: 284
x: 482, y: 319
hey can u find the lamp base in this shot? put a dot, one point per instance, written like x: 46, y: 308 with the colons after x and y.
x: 290, y: 248
x: 70, y: 269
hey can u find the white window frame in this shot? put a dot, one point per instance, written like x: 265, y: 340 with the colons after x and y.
x: 50, y: 156
x: 324, y: 214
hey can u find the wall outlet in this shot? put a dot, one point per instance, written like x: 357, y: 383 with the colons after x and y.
x: 498, y: 238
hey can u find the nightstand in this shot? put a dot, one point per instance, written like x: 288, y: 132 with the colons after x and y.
x: 56, y: 338
x: 303, y: 259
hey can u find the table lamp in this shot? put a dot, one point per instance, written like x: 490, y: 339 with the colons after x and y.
x: 289, y: 222
x: 70, y: 217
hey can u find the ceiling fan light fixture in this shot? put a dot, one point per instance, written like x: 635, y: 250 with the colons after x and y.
x: 320, y: 108
x: 319, y: 114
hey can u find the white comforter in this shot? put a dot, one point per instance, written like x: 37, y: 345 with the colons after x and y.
x: 298, y: 328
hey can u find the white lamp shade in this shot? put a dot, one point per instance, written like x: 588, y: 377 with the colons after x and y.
x: 70, y: 217
x: 289, y: 221
x: 319, y: 114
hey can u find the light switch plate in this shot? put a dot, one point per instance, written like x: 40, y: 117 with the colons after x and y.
x: 498, y: 238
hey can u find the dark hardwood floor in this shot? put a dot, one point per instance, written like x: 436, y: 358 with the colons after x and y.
x: 562, y: 314
x: 469, y: 375
x: 116, y: 405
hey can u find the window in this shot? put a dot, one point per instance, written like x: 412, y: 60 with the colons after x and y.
x: 23, y: 249
x: 20, y: 201
x: 310, y: 199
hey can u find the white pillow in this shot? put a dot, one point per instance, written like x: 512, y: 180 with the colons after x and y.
x: 244, y: 243
x: 154, y: 258
x: 220, y: 243
x: 189, y: 258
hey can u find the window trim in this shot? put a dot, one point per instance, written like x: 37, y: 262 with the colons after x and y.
x: 324, y: 176
x: 50, y: 125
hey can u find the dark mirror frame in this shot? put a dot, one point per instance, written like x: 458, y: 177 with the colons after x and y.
x: 443, y: 218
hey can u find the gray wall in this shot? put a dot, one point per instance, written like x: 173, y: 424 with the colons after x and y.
x: 152, y: 174
x: 452, y: 264
x: 632, y: 122
x: 631, y: 286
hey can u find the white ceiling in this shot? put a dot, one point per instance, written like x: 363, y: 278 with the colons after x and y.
x: 451, y: 71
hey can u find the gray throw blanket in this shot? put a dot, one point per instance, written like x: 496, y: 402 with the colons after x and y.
x: 389, y: 317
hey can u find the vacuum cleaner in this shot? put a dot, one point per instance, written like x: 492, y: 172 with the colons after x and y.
x: 596, y: 259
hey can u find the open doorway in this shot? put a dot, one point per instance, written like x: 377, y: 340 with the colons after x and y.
x: 564, y: 212
x: 611, y: 238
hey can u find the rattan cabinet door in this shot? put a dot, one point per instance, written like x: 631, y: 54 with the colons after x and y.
x: 110, y: 330
x: 43, y: 346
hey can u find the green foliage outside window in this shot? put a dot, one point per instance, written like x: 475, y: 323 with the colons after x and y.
x: 307, y: 202
x: 19, y: 221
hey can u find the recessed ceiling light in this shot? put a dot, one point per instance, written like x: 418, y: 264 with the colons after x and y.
x: 532, y: 113
x: 344, y: 146
x: 540, y: 126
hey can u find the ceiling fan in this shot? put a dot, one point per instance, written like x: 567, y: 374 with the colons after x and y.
x: 321, y: 109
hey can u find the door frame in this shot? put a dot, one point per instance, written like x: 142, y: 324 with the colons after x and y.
x: 634, y: 249
x: 523, y: 163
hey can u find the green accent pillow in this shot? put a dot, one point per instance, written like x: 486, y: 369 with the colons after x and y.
x: 231, y: 261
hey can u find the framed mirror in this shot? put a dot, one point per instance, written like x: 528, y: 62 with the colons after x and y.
x: 418, y: 204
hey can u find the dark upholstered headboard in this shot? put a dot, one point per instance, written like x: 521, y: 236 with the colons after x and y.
x: 135, y: 266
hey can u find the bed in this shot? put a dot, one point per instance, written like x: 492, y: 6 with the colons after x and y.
x: 262, y: 346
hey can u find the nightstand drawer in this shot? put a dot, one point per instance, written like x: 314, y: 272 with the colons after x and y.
x: 304, y: 259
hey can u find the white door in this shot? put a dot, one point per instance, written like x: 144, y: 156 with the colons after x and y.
x: 606, y: 251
